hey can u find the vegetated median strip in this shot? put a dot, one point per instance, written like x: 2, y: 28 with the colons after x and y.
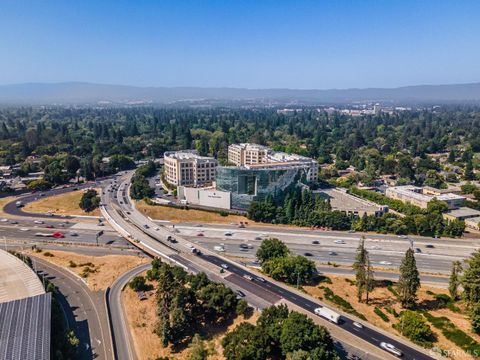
x: 342, y: 303
x: 454, y: 334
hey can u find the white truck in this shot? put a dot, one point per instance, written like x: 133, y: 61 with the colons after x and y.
x: 219, y: 248
x: 328, y: 314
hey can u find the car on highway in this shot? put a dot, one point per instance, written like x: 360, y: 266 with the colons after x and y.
x: 418, y: 250
x: 241, y: 226
x: 49, y: 226
x: 24, y: 229
x: 145, y: 226
x: 307, y: 254
x: 351, y: 231
x: 243, y: 246
x: 315, y: 242
x: 73, y: 233
x: 240, y: 293
x: 332, y: 253
x: 391, y: 349
x: 197, y: 225
x: 39, y: 222
x: 339, y: 242
x: 58, y: 235
x: 49, y: 214
x: 376, y: 247
x: 258, y: 238
x: 219, y: 248
x: 248, y: 277
x: 224, y: 266
x: 4, y: 220
x: 13, y: 222
x: 357, y: 325
x: 385, y: 262
x: 260, y: 279
x: 429, y: 246
x: 228, y: 233
x: 200, y: 234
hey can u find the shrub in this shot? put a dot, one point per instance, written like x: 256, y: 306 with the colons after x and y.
x: 48, y: 254
x: 381, y: 314
x: 137, y: 283
x: 413, y: 326
x: 72, y: 264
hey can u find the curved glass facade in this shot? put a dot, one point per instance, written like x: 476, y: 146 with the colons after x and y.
x: 247, y: 185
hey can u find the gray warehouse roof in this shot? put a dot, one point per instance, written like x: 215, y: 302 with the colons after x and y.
x: 25, y: 328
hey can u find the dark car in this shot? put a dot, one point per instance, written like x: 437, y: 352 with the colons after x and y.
x: 240, y: 293
x: 308, y: 254
x: 315, y: 242
x: 429, y: 246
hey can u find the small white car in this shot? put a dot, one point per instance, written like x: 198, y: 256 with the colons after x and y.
x: 339, y: 242
x: 248, y: 277
x: 357, y: 325
x: 224, y: 266
x: 38, y: 222
x: 24, y: 229
x: 391, y: 349
x: 385, y: 263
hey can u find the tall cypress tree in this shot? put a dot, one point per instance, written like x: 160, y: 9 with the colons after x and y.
x: 409, y: 280
x: 363, y: 272
x: 454, y: 281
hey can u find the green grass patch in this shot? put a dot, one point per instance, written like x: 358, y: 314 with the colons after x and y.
x: 392, y: 290
x: 381, y: 314
x: 342, y: 303
x: 453, y: 333
x: 392, y: 311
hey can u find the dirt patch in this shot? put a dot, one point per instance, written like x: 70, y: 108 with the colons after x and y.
x: 141, y: 317
x: 63, y: 204
x: 192, y: 215
x: 386, y: 301
x: 98, y: 271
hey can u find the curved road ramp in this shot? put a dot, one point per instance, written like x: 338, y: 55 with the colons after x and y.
x: 25, y: 312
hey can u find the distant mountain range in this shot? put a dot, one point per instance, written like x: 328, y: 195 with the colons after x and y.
x: 89, y: 93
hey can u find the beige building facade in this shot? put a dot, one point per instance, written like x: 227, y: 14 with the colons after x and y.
x: 187, y: 168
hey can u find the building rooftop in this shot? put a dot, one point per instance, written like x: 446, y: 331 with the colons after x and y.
x: 464, y: 212
x: 17, y: 280
x: 417, y: 193
x: 25, y: 328
x: 187, y: 154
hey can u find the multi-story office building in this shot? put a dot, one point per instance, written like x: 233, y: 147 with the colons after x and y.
x: 260, y: 171
x: 187, y: 168
x: 422, y: 196
x: 247, y: 154
x: 253, y: 156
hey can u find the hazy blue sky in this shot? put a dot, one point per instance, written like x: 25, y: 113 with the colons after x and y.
x: 255, y: 44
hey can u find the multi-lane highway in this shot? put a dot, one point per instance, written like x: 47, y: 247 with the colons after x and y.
x: 152, y: 237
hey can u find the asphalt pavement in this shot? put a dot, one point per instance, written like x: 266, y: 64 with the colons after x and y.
x: 83, y: 309
x: 122, y: 341
x: 119, y: 206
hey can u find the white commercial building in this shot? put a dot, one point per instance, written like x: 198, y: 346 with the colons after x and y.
x: 422, y: 196
x: 253, y: 156
x: 208, y: 197
x: 186, y: 167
